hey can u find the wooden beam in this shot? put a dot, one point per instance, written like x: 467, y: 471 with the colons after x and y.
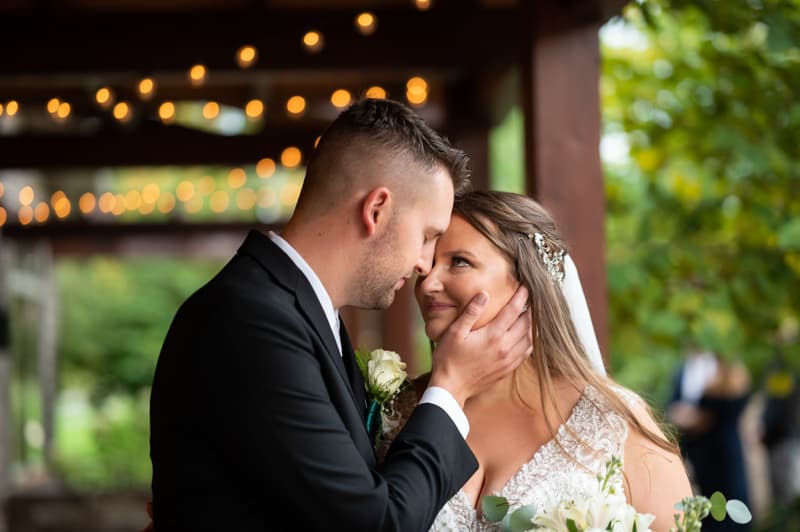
x: 150, y: 143
x: 206, y: 240
x: 562, y: 137
x: 139, y: 42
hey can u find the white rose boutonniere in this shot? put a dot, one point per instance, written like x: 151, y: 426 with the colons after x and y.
x: 384, y: 376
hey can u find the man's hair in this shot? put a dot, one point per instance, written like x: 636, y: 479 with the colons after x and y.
x: 376, y: 134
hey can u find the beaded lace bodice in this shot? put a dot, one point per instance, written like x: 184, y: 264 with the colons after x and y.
x: 590, y: 436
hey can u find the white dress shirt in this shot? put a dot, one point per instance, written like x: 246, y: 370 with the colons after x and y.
x: 433, y: 394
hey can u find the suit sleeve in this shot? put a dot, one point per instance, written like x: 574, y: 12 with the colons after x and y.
x: 274, y: 399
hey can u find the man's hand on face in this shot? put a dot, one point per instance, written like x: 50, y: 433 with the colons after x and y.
x: 465, y: 362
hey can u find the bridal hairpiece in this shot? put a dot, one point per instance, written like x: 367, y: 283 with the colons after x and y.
x: 553, y: 261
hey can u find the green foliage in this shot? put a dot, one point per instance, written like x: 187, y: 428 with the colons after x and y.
x: 114, y: 317
x: 703, y: 239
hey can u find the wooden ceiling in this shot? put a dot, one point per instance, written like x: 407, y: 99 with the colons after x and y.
x: 67, y: 49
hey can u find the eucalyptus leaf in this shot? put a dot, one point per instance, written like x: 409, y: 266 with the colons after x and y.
x: 494, y: 508
x: 505, y: 525
x: 718, y: 506
x: 522, y: 518
x: 738, y: 511
x: 571, y: 526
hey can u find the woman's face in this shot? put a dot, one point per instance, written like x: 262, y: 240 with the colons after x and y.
x: 465, y: 262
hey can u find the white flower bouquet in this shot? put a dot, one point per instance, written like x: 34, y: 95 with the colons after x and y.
x: 606, y: 509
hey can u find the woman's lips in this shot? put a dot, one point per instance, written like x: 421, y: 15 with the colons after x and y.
x: 435, y: 306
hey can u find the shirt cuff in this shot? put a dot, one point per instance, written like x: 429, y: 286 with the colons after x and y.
x: 445, y: 400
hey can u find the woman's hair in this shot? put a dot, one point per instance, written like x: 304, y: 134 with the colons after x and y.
x: 511, y: 221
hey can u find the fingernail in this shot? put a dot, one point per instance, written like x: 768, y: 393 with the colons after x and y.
x: 481, y: 298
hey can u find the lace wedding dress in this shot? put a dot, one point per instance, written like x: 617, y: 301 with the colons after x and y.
x: 590, y: 436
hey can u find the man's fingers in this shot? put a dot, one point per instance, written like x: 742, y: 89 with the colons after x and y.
x: 463, y: 324
x: 520, y: 352
x: 509, y: 313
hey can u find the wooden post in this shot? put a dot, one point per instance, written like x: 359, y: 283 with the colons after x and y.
x: 561, y: 104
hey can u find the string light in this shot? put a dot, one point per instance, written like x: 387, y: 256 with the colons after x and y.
x: 122, y: 111
x: 41, y: 212
x: 254, y: 108
x: 3, y: 216
x: 246, y: 56
x: 376, y: 92
x: 150, y: 193
x: 340, y: 98
x: 237, y: 178
x: 210, y: 110
x: 87, y: 202
x: 25, y: 215
x: 104, y: 97
x: 219, y: 201
x: 12, y: 107
x: 64, y: 109
x: 296, y: 105
x: 197, y: 75
x: 265, y: 168
x: 146, y: 88
x: 246, y: 199
x: 52, y: 105
x: 291, y: 157
x: 106, y: 202
x: 313, y: 41
x: 26, y: 195
x: 366, y: 23
x: 1, y: 109
x: 423, y: 5
x: 417, y: 91
x: 166, y: 111
x: 166, y: 202
x: 62, y: 207
x: 185, y: 191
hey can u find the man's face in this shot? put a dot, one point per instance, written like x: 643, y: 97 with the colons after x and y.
x: 408, y: 243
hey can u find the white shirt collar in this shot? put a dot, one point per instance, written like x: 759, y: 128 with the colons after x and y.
x: 322, y: 295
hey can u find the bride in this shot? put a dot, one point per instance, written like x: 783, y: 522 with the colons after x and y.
x: 545, y: 432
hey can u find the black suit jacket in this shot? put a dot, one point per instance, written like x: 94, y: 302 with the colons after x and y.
x: 256, y: 426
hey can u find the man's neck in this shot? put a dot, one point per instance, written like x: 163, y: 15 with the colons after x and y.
x: 322, y: 247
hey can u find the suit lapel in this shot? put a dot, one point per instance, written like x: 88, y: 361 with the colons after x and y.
x: 265, y: 251
x: 356, y: 381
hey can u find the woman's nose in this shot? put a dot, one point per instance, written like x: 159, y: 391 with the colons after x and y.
x: 432, y: 282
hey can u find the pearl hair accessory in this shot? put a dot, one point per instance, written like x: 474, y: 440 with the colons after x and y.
x: 553, y: 261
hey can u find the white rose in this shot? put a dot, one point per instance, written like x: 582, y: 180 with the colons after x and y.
x: 386, y: 372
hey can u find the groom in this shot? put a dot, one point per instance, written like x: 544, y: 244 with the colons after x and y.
x: 257, y: 408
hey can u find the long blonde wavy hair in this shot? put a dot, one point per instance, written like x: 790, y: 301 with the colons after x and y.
x: 508, y: 220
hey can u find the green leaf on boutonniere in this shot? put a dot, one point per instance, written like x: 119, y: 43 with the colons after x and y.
x: 521, y: 518
x: 571, y: 526
x: 718, y: 501
x: 361, y: 361
x: 738, y: 511
x: 494, y: 508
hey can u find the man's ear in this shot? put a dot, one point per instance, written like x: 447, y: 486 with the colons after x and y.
x: 375, y: 209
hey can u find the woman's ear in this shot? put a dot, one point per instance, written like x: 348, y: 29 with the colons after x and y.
x: 375, y: 209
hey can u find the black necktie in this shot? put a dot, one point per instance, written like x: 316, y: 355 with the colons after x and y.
x: 353, y: 374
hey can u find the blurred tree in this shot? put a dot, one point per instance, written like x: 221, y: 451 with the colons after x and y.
x: 114, y: 316
x: 703, y: 227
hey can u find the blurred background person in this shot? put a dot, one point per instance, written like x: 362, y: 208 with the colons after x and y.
x: 709, y: 397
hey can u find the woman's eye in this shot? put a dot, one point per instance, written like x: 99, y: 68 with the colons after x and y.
x: 459, y: 262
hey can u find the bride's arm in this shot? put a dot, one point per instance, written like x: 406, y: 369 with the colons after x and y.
x: 656, y: 477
